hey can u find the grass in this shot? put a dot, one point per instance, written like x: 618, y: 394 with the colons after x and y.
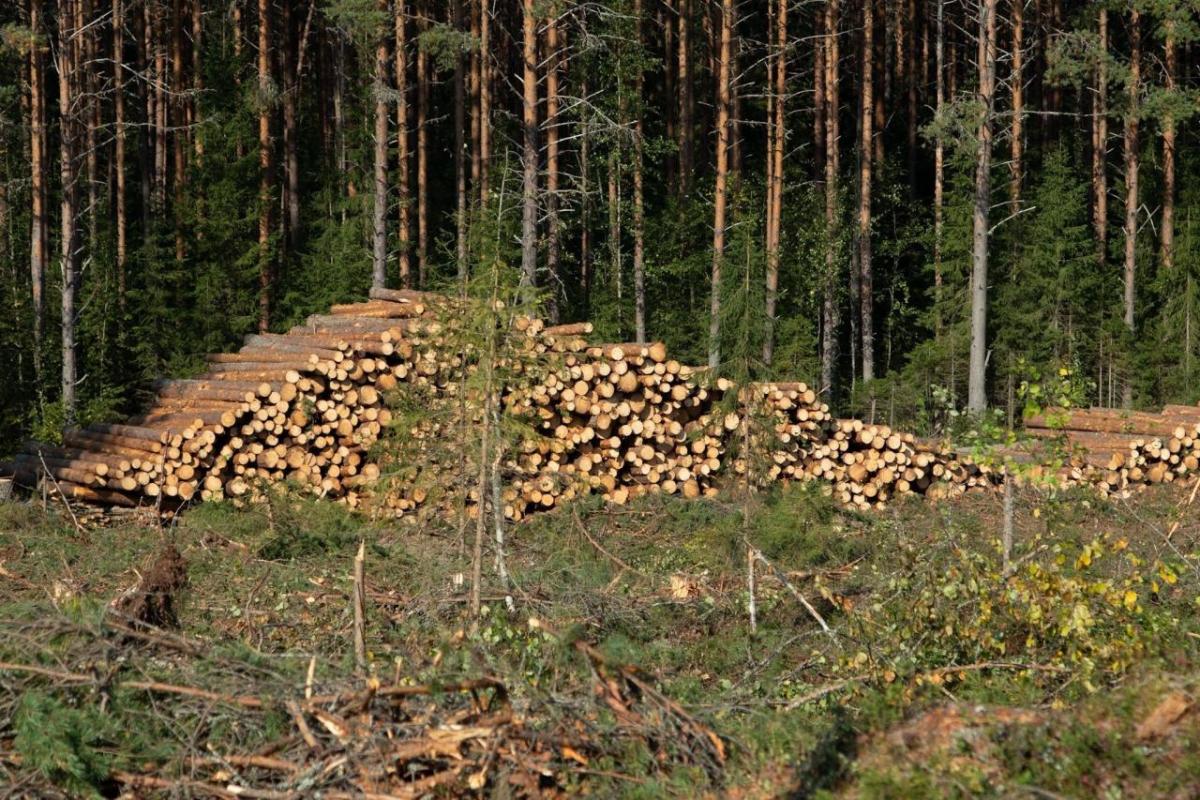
x: 927, y: 628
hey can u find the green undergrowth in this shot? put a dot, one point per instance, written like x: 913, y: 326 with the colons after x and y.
x: 942, y: 674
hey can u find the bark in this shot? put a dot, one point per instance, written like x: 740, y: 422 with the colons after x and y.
x: 119, y: 135
x: 380, y: 205
x: 38, y: 166
x: 197, y: 78
x: 1100, y: 146
x: 422, y: 161
x: 829, y: 307
x: 553, y: 229
x: 720, y: 193
x: 67, y: 57
x: 473, y: 89
x: 1167, y: 223
x: 91, y: 113
x: 291, y: 139
x: 914, y: 74
x: 866, y: 153
x: 161, y: 110
x: 485, y: 98
x: 939, y: 166
x: 685, y: 99
x: 402, y: 145
x: 1017, y: 132
x: 776, y: 139
x: 639, y: 212
x: 460, y: 152
x: 266, y: 164
x: 614, y: 234
x: 238, y: 33
x: 529, y: 154
x: 585, y: 211
x: 976, y: 392
x: 1132, y: 165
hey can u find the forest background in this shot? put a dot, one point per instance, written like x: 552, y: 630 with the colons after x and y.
x: 923, y: 207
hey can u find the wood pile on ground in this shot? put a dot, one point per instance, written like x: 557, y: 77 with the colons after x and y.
x: 307, y: 407
x: 1118, y: 451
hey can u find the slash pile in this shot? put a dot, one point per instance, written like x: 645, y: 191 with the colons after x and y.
x: 307, y: 406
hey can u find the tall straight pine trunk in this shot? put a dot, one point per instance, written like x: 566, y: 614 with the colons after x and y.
x: 266, y: 165
x: 977, y: 372
x: 529, y: 153
x: 830, y: 318
x: 866, y: 152
x: 1167, y: 221
x: 67, y: 58
x: 1100, y: 146
x: 380, y: 205
x: 639, y: 210
x: 720, y: 198
x: 38, y: 167
x: 404, y: 235
x: 1132, y: 165
x: 776, y: 123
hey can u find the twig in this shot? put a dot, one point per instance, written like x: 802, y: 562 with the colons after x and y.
x: 360, y: 641
x: 1191, y: 499
x: 794, y: 591
x: 599, y: 547
x: 61, y: 496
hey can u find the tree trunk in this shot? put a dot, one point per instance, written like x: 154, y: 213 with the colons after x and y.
x: 915, y: 73
x: 476, y: 65
x: 720, y: 198
x: 380, y: 205
x: 614, y: 234
x: 529, y: 154
x: 91, y: 114
x: 460, y: 152
x: 829, y: 308
x: 1132, y: 164
x: 422, y: 161
x: 119, y: 134
x: 639, y: 211
x: 553, y: 230
x: 485, y: 98
x: 1100, y: 146
x: 939, y: 168
x: 402, y: 145
x: 777, y: 137
x: 866, y: 289
x: 977, y: 389
x: 38, y: 166
x: 291, y: 136
x: 685, y: 99
x: 1167, y: 235
x: 1017, y: 132
x: 161, y: 110
x: 266, y: 162
x: 197, y: 77
x: 67, y: 57
x: 585, y: 211
x: 175, y: 119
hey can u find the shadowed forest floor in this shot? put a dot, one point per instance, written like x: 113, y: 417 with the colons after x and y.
x: 1074, y: 674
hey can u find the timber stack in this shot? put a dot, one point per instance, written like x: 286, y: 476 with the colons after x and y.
x: 1118, y: 451
x: 308, y: 406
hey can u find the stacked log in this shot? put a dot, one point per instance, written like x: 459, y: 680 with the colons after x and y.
x: 1119, y: 451
x: 622, y: 420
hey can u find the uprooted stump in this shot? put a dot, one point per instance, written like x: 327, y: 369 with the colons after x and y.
x: 152, y: 601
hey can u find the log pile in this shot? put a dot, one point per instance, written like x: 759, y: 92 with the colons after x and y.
x: 1119, y: 451
x: 307, y: 407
